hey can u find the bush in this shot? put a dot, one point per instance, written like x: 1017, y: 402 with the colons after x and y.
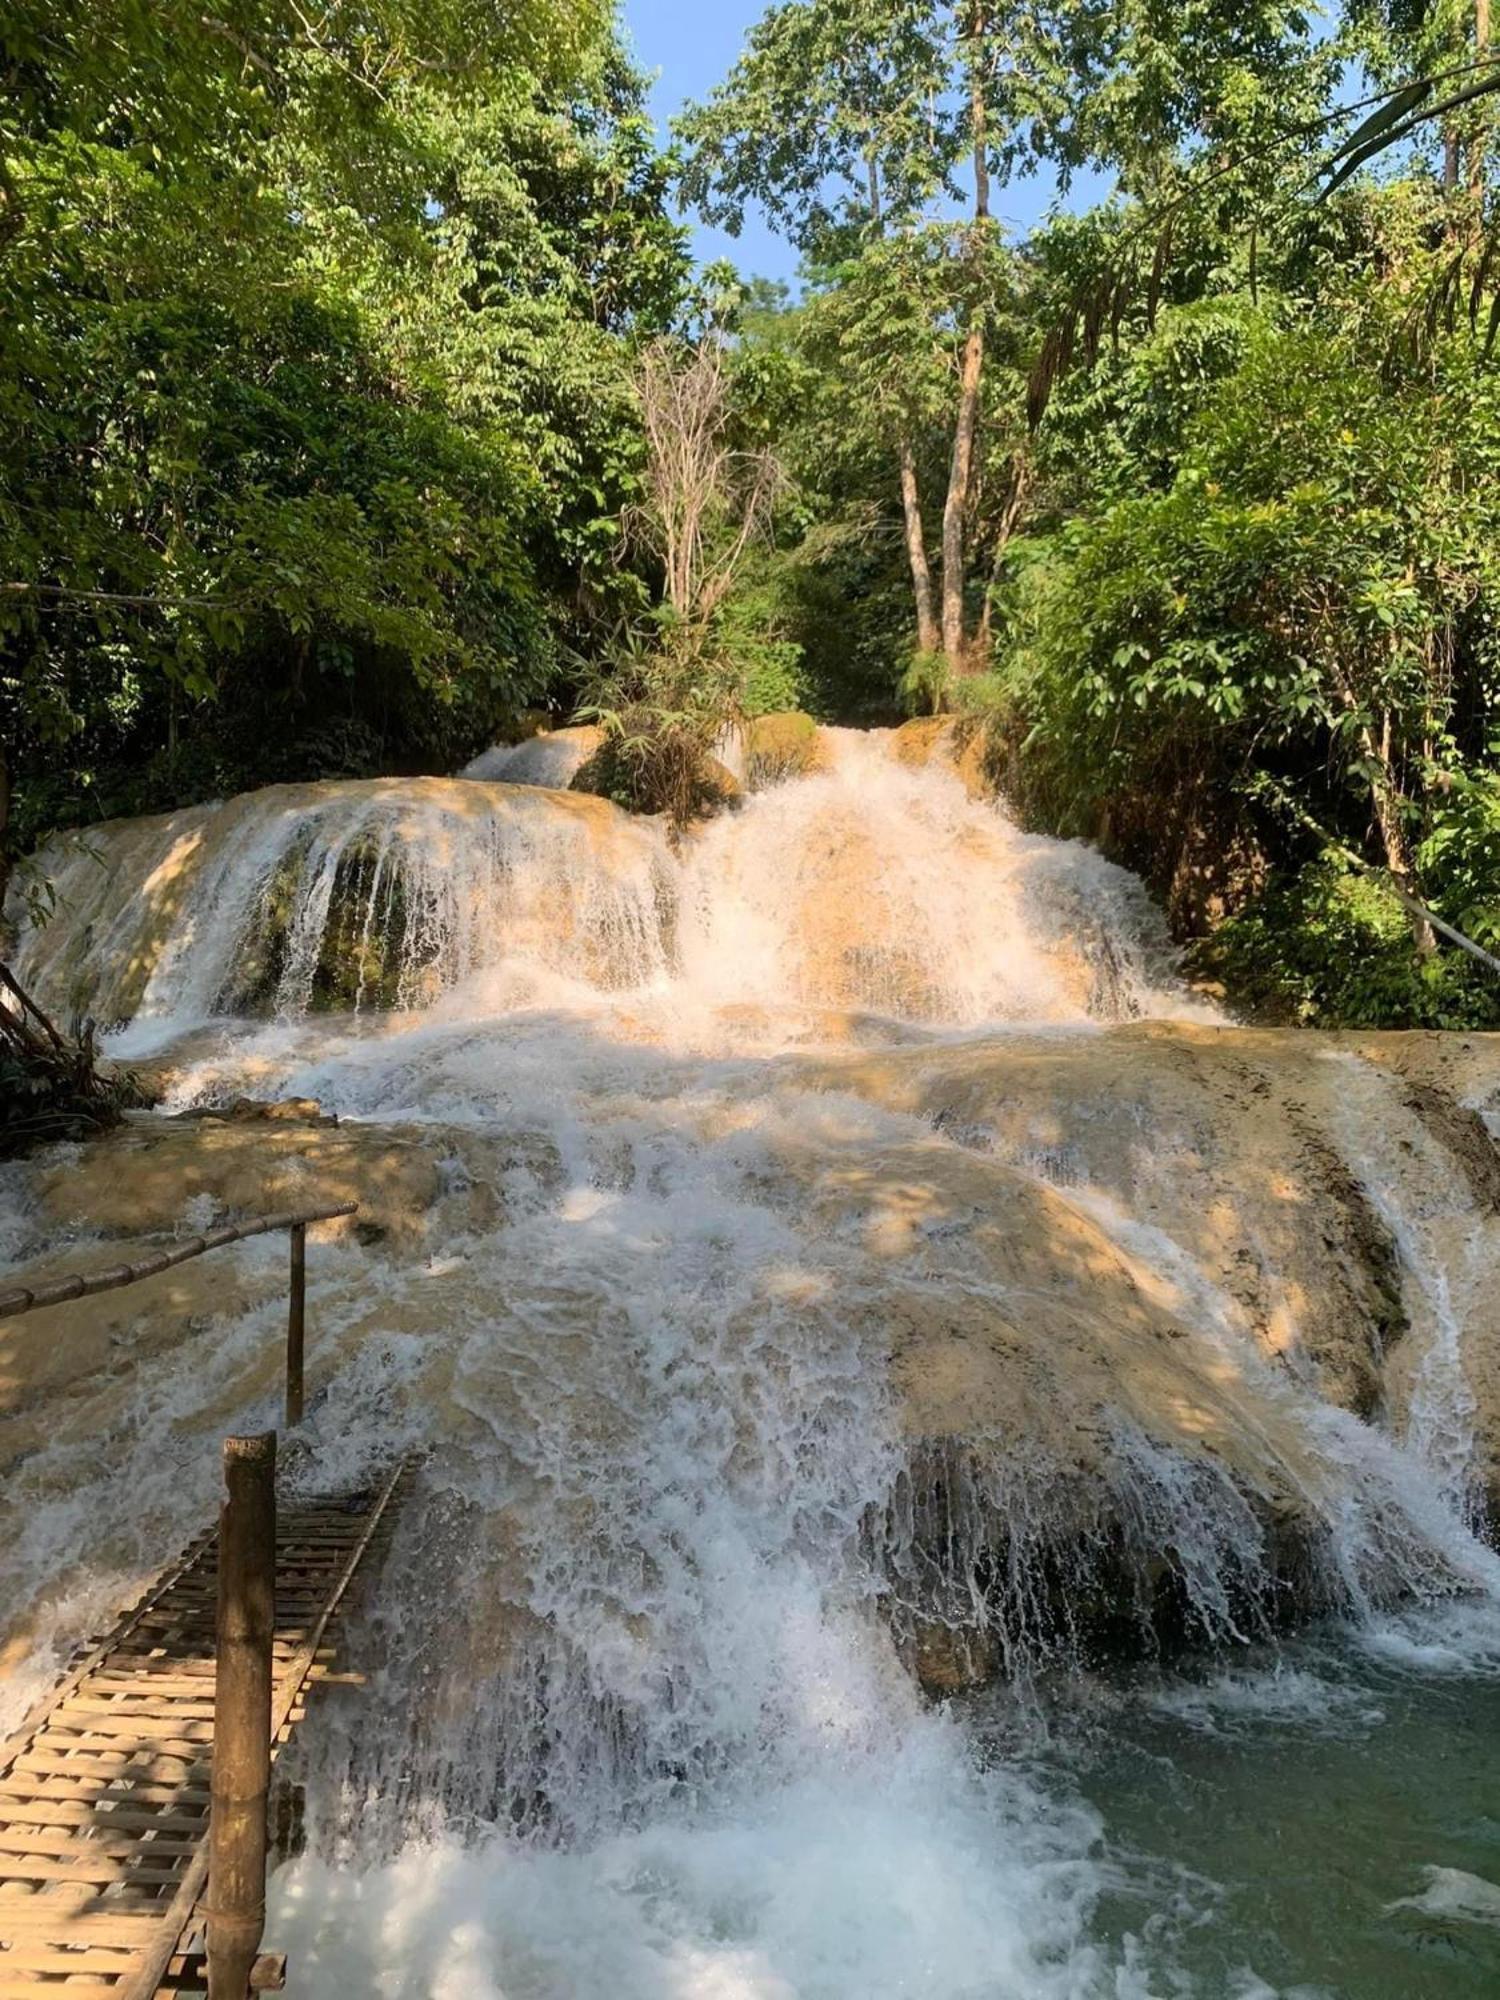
x: 665, y: 700
x: 1332, y: 948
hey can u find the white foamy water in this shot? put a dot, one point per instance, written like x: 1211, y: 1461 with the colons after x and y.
x: 873, y: 889
x: 1447, y: 1256
x: 1453, y: 1892
x: 641, y: 1720
x: 553, y: 759
x: 887, y: 890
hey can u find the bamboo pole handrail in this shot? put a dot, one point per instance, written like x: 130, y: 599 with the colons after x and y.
x: 85, y: 1284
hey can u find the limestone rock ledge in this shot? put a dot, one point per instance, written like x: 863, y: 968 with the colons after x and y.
x: 1145, y: 1304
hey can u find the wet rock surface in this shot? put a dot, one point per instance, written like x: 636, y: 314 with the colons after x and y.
x: 1099, y: 1275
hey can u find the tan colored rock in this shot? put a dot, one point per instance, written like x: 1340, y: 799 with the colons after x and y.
x: 107, y: 941
x: 1009, y: 1312
x: 419, y: 1190
x: 148, y: 1172
x: 1256, y: 1152
x: 782, y: 746
x: 917, y: 742
x: 947, y: 1659
x: 276, y: 1110
x: 960, y: 741
x: 1004, y: 1261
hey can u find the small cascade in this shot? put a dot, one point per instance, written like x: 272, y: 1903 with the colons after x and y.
x: 1447, y: 1254
x: 553, y: 759
x: 373, y: 896
x: 873, y: 887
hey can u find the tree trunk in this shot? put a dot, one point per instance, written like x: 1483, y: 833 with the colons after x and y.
x: 1479, y: 140
x: 1010, y: 514
x: 1385, y: 797
x: 1385, y: 801
x: 1398, y: 856
x: 971, y: 369
x: 929, y: 639
x: 955, y: 507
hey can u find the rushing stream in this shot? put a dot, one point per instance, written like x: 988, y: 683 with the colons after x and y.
x: 830, y: 1264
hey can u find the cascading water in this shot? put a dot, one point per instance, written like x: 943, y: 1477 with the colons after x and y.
x: 362, y: 896
x: 880, y: 889
x: 871, y: 889
x: 818, y: 1249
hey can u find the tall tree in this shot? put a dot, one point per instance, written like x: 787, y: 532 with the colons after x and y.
x: 976, y: 63
x: 834, y: 121
x: 853, y: 121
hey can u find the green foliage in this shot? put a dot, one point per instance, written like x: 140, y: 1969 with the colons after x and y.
x: 1459, y: 854
x: 832, y: 381
x: 1269, y: 577
x: 924, y: 687
x: 752, y: 628
x: 1331, y: 948
x: 664, y: 697
x: 834, y: 115
x: 313, y: 379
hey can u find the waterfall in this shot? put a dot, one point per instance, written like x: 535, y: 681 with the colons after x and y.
x: 832, y: 1260
x: 878, y: 889
x: 366, y: 896
x: 872, y: 889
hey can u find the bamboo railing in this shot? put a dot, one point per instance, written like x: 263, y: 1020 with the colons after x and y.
x: 85, y: 1284
x: 232, y: 1861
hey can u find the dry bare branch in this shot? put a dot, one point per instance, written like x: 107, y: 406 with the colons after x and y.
x: 705, y: 500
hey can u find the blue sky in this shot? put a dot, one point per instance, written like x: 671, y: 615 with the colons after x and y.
x: 688, y: 46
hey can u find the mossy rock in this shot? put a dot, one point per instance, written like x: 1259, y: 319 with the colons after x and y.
x: 782, y: 746
x: 375, y: 953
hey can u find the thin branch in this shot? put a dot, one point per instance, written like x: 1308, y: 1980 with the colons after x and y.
x: 315, y: 36
x: 150, y: 603
x: 231, y: 35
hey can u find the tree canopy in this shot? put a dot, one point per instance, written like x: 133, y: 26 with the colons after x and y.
x: 312, y: 374
x: 359, y: 394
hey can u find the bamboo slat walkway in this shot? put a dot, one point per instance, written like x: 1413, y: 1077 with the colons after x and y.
x: 104, y: 1789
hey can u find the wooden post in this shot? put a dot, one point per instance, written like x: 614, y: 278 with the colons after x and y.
x: 236, y: 1908
x: 296, y: 1324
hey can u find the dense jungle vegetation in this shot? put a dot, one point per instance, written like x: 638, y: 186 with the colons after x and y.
x: 359, y: 395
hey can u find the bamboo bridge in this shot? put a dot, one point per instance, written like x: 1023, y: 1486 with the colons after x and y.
x: 134, y: 1798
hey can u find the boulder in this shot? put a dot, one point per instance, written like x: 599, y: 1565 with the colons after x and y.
x: 960, y: 741
x: 781, y: 746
